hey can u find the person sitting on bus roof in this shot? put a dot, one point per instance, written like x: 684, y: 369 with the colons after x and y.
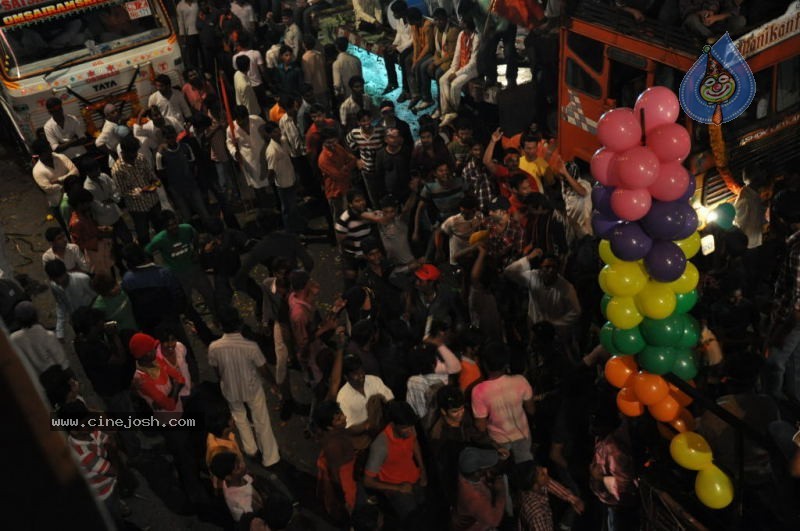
x: 65, y: 133
x: 170, y: 102
x: 709, y: 19
x: 663, y: 10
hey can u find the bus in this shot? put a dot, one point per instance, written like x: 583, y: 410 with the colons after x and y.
x: 88, y: 53
x: 607, y: 59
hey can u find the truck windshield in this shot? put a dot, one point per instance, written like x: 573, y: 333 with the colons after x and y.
x: 52, y: 35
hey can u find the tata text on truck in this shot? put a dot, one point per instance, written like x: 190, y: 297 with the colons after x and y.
x: 607, y: 59
x: 88, y: 53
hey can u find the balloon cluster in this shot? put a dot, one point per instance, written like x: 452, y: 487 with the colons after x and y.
x: 649, y: 234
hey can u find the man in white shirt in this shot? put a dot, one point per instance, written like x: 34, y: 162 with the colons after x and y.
x: 354, y: 397
x: 170, y: 102
x: 243, y: 85
x: 247, y: 146
x: 463, y: 68
x: 65, y: 133
x: 256, y: 73
x: 345, y: 67
x: 60, y: 249
x: 244, y: 12
x: 577, y: 193
x: 459, y: 228
x: 71, y: 290
x: 281, y: 171
x: 109, y: 137
x: 292, y: 36
x: 148, y: 132
x: 32, y: 340
x: 400, y: 50
x: 50, y: 172
x: 187, y: 11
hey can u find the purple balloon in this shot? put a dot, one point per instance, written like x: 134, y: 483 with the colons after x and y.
x: 629, y: 242
x: 603, y: 225
x: 689, y: 190
x: 601, y: 199
x: 665, y: 219
x: 689, y: 225
x: 665, y: 262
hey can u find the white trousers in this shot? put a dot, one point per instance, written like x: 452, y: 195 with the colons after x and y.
x: 450, y: 92
x: 262, y: 425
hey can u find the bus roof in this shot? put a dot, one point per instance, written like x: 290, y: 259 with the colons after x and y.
x: 672, y: 44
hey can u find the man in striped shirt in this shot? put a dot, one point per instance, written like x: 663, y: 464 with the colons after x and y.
x: 365, y: 141
x: 137, y: 183
x: 352, y: 227
x: 93, y: 451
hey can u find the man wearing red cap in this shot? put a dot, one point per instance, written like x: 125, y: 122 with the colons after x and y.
x: 427, y: 303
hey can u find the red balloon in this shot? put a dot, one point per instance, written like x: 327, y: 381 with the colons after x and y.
x: 666, y: 410
x: 620, y: 369
x: 672, y: 182
x: 660, y: 106
x: 631, y: 205
x: 636, y: 167
x: 650, y: 388
x: 600, y: 166
x: 619, y: 129
x: 628, y: 403
x: 669, y: 142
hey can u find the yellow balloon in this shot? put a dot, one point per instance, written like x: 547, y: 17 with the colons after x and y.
x: 606, y: 254
x: 690, y: 450
x: 713, y: 488
x: 656, y: 300
x: 687, y: 281
x: 690, y: 246
x: 625, y: 279
x: 622, y: 312
x: 602, y: 279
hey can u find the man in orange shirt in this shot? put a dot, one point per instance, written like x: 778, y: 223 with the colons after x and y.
x: 336, y: 165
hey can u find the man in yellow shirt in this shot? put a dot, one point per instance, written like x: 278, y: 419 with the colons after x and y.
x: 532, y: 163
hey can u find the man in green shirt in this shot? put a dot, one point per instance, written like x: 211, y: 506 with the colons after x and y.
x: 178, y: 247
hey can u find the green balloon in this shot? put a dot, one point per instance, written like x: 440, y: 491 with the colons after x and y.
x: 685, y: 366
x: 662, y: 332
x: 685, y: 301
x: 607, y: 337
x: 604, y: 304
x: 691, y: 332
x: 658, y: 360
x: 725, y: 214
x: 629, y: 341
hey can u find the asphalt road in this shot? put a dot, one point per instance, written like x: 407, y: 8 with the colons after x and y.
x: 23, y: 212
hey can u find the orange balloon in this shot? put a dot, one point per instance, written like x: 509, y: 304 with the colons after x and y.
x: 665, y: 431
x: 628, y: 404
x: 650, y: 388
x: 666, y: 410
x: 683, y: 422
x: 619, y: 370
x: 682, y: 398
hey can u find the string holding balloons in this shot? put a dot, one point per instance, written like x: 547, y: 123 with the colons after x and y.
x: 648, y: 232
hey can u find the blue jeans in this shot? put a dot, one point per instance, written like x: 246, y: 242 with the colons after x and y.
x: 292, y: 221
x: 782, y: 371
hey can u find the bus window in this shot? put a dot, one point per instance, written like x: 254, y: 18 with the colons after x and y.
x: 589, y: 50
x: 760, y: 108
x: 626, y: 83
x: 579, y: 79
x: 788, y: 83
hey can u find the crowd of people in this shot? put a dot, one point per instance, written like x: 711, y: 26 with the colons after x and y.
x: 457, y: 379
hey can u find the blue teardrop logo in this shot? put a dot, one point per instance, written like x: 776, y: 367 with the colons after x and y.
x: 719, y: 86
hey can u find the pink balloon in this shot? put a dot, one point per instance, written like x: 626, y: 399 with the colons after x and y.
x: 619, y: 130
x: 660, y: 106
x: 636, y: 168
x: 670, y: 142
x: 672, y: 182
x: 631, y: 205
x: 601, y: 162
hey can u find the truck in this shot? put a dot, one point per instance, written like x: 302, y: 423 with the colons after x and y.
x: 88, y: 53
x: 606, y: 59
